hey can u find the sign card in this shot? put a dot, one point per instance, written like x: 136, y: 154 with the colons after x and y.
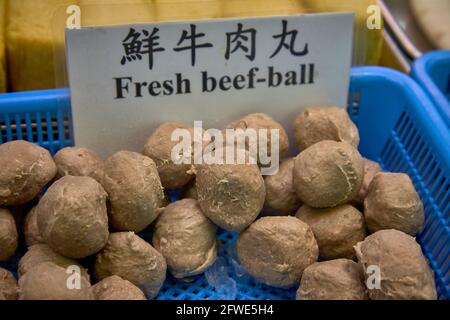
x: 125, y: 80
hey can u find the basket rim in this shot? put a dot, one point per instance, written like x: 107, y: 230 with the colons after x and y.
x: 420, y: 72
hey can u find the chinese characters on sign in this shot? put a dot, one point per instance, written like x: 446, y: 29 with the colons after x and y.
x: 236, y: 38
x: 192, y: 38
x: 145, y: 43
x: 135, y: 47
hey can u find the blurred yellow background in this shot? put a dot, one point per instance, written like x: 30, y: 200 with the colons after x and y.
x: 32, y: 31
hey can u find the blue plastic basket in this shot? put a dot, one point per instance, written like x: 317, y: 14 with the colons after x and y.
x: 432, y: 72
x: 399, y: 127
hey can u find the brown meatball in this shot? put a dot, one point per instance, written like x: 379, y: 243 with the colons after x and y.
x: 8, y: 235
x: 40, y: 253
x: 77, y: 161
x: 371, y: 168
x: 31, y: 229
x: 231, y: 195
x: 72, y: 216
x: 404, y: 271
x: 8, y: 285
x: 276, y: 250
x: 336, y: 229
x: 340, y: 279
x: 135, y: 191
x: 48, y: 281
x: 324, y: 123
x: 159, y: 147
x: 259, y: 121
x: 186, y: 238
x: 25, y: 169
x: 328, y: 174
x: 131, y: 258
x: 281, y: 197
x: 116, y: 288
x: 393, y: 203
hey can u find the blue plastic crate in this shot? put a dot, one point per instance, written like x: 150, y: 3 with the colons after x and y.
x: 43, y: 117
x: 399, y: 127
x: 432, y: 72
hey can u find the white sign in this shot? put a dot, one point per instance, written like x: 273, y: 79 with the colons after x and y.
x: 126, y: 80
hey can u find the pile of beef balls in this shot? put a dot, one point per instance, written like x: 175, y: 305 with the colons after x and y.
x: 328, y: 222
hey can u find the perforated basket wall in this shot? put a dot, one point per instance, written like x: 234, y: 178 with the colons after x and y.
x: 402, y: 130
x: 42, y: 117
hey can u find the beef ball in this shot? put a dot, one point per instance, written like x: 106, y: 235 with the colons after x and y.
x: 25, y: 168
x: 135, y: 191
x: 328, y: 174
x: 231, y: 195
x: 190, y: 191
x: 371, y: 168
x: 116, y: 288
x: 281, y: 196
x: 276, y: 250
x: 339, y: 279
x: 77, y: 161
x: 258, y: 121
x: 186, y: 238
x: 324, y: 123
x: 159, y: 147
x: 131, y: 258
x: 8, y: 235
x: 336, y: 229
x: 403, y: 271
x: 48, y: 281
x: 40, y: 253
x: 72, y: 217
x: 31, y: 229
x: 8, y: 285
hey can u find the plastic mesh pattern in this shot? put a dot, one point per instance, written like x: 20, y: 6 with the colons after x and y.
x: 199, y: 289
